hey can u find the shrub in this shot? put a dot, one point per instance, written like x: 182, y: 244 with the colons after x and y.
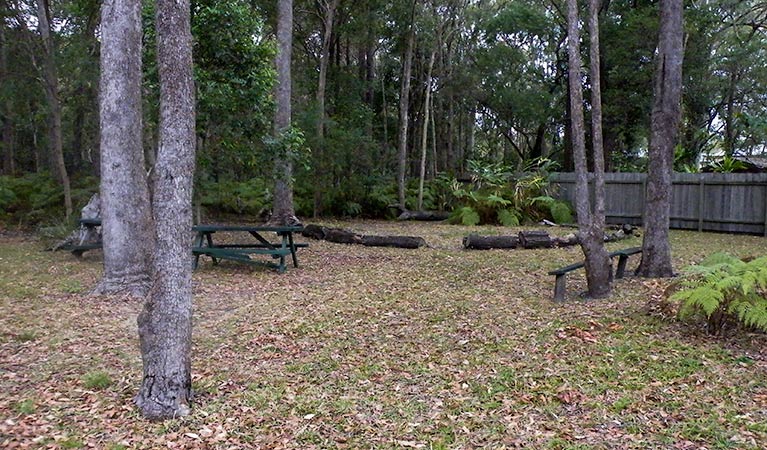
x: 723, y: 288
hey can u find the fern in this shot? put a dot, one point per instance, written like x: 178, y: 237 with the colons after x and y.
x: 723, y: 286
x: 465, y: 216
x: 508, y: 218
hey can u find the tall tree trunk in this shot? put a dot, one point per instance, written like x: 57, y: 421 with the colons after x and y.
x: 51, y: 81
x: 590, y: 230
x: 284, y: 212
x: 425, y: 131
x: 404, y: 104
x: 125, y: 209
x: 165, y: 323
x: 328, y: 16
x: 8, y: 164
x: 666, y: 114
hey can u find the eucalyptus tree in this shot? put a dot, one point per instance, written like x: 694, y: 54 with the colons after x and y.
x: 666, y: 115
x: 124, y: 190
x: 165, y: 323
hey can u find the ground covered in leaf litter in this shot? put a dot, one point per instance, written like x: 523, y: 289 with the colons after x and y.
x: 436, y: 348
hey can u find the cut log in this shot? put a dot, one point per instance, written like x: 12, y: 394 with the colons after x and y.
x: 477, y: 242
x: 314, y: 232
x: 393, y: 241
x: 423, y: 215
x: 341, y: 236
x: 535, y: 239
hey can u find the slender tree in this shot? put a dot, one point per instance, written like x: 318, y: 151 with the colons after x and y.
x: 404, y: 104
x: 124, y: 191
x: 666, y: 115
x: 590, y: 224
x: 425, y: 129
x: 283, y: 212
x: 51, y: 84
x: 165, y: 323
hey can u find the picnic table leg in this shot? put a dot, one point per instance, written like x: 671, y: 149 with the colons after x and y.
x: 619, y: 271
x: 293, y: 250
x: 209, y: 237
x: 559, y: 288
x: 197, y: 256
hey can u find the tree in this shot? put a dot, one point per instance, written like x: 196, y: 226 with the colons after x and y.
x: 283, y: 212
x: 51, y: 84
x: 590, y: 223
x: 404, y: 104
x: 666, y: 115
x: 124, y: 190
x: 165, y: 323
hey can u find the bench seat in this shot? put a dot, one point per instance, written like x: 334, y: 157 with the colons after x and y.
x: 560, y: 285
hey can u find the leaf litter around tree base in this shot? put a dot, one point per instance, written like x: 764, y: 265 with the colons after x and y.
x: 382, y: 348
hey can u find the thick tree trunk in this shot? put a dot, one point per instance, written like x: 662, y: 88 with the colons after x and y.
x: 404, y: 104
x: 666, y: 114
x: 165, y: 323
x: 425, y: 130
x: 328, y: 16
x: 590, y: 235
x: 283, y: 212
x: 51, y: 81
x: 125, y: 209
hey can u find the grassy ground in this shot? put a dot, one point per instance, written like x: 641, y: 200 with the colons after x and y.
x: 360, y: 347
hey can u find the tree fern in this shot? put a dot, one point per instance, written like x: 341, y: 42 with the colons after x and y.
x: 723, y: 286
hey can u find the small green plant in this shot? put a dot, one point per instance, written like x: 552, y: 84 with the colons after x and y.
x: 723, y: 287
x: 26, y: 336
x: 25, y: 407
x: 97, y: 380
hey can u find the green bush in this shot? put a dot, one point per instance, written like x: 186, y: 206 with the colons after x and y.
x: 496, y: 195
x: 251, y: 197
x: 36, y: 198
x: 723, y: 288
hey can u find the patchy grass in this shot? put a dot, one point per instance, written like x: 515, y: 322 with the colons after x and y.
x: 435, y: 348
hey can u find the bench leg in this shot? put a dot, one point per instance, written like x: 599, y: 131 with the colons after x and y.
x: 560, y: 288
x: 621, y: 269
x: 292, y: 250
x: 209, y: 238
x: 281, y: 269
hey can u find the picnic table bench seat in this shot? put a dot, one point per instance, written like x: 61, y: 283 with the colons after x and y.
x: 560, y: 285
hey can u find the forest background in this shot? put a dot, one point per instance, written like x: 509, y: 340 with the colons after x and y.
x: 487, y: 97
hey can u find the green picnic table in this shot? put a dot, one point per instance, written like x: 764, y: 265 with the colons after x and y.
x: 204, y: 243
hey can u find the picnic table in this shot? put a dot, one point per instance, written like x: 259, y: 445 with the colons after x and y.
x: 204, y: 243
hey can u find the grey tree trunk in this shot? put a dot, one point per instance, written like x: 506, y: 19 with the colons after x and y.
x: 165, y: 323
x: 425, y: 130
x: 590, y: 228
x: 328, y: 16
x: 125, y: 210
x: 404, y: 104
x: 664, y: 130
x: 51, y: 81
x: 8, y: 165
x: 283, y: 212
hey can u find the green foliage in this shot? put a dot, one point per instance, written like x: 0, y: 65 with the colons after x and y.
x: 723, y: 287
x: 497, y: 195
x: 97, y: 380
x: 252, y: 197
x: 36, y: 198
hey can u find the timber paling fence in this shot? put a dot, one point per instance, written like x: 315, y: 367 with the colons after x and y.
x: 723, y: 202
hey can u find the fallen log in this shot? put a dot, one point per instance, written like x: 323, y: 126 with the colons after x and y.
x: 477, y: 242
x: 423, y: 215
x: 341, y: 236
x: 393, y: 241
x: 535, y: 239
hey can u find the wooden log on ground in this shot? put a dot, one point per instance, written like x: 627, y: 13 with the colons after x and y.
x: 393, y: 241
x: 535, y: 239
x: 314, y: 232
x: 341, y: 236
x: 477, y: 242
x: 423, y: 215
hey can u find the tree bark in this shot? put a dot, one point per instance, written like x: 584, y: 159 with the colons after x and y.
x: 283, y: 212
x: 125, y: 208
x: 404, y: 104
x: 165, y: 323
x: 477, y: 242
x: 8, y: 164
x: 590, y: 233
x: 664, y: 130
x: 51, y: 82
x: 328, y: 16
x: 425, y: 130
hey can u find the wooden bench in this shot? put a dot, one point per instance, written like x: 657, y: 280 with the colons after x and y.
x: 560, y: 286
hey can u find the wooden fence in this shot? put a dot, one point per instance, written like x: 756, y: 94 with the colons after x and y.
x: 733, y: 202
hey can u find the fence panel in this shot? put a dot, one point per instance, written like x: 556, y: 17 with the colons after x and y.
x: 733, y: 202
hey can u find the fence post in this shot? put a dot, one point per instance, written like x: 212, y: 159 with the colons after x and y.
x: 701, y: 202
